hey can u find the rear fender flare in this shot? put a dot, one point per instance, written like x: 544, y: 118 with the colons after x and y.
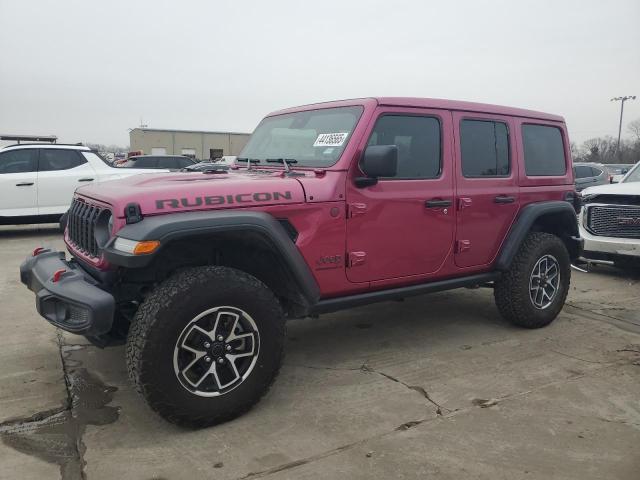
x: 567, y: 229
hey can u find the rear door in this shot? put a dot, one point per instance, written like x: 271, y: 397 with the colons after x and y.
x: 60, y: 172
x: 18, y: 182
x: 487, y: 192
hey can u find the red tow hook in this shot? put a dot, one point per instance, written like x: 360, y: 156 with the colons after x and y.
x: 38, y: 251
x: 58, y: 274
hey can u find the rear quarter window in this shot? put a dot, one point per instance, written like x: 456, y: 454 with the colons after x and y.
x: 543, y: 151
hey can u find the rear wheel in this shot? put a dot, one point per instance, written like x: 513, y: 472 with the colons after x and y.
x: 533, y: 291
x: 206, y: 345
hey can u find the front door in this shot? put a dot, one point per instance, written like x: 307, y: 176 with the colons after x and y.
x: 487, y: 188
x: 403, y: 226
x: 18, y: 182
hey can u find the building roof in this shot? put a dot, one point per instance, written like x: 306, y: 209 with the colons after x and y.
x: 174, y: 130
x: 434, y: 103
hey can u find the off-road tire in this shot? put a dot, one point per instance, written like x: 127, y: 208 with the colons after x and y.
x: 511, y: 291
x: 165, y: 313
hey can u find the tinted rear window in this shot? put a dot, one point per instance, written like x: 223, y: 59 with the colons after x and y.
x: 59, y: 159
x: 582, y: 171
x: 485, y: 148
x: 145, y: 162
x: 543, y: 151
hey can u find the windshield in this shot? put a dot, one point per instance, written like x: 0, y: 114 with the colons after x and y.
x: 633, y: 175
x: 314, y: 138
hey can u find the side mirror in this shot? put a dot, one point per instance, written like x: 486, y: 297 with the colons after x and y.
x: 378, y: 161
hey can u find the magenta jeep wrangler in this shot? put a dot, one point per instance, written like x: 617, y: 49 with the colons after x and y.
x: 330, y: 206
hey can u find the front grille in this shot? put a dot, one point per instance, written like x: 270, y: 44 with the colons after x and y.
x: 81, y: 226
x: 621, y: 221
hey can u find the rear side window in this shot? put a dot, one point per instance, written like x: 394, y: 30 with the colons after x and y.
x: 484, y: 148
x: 418, y: 142
x: 57, y: 159
x: 583, y: 171
x: 168, y: 162
x: 543, y: 151
x: 145, y: 162
x: 19, y: 161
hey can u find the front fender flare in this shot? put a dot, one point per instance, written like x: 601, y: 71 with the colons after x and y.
x: 170, y: 227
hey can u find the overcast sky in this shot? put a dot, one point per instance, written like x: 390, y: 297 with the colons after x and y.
x: 88, y: 70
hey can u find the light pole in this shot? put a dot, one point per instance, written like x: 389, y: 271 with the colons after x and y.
x: 621, y: 100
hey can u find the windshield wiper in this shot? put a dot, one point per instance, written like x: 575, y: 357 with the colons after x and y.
x: 248, y: 160
x: 283, y: 161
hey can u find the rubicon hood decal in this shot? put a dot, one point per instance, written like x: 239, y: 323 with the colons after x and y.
x: 257, y: 197
x: 166, y: 192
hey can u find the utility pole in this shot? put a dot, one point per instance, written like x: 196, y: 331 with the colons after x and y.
x: 621, y: 100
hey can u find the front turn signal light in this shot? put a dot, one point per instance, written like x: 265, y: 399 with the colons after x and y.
x: 148, y: 246
x: 133, y: 247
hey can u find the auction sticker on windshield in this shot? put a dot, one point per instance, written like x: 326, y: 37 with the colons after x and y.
x: 330, y: 139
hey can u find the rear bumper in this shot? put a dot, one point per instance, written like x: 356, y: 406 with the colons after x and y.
x: 75, y: 302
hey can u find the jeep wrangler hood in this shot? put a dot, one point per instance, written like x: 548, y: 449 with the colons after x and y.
x: 166, y: 193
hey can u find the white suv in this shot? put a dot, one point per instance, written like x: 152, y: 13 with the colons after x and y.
x: 37, y: 181
x: 610, y: 221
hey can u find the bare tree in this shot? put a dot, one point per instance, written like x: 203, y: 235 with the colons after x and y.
x: 634, y: 128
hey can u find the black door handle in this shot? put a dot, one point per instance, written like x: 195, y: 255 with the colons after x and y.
x: 438, y: 203
x: 504, y: 199
x: 86, y: 180
x: 24, y: 184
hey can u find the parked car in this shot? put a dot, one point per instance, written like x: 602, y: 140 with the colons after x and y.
x: 205, y: 166
x: 590, y: 174
x: 618, y: 171
x: 610, y: 221
x: 222, y: 163
x: 170, y: 162
x: 340, y: 204
x: 37, y: 181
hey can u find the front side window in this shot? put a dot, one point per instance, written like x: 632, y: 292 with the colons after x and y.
x: 19, y: 161
x: 58, y: 159
x: 543, y: 150
x: 418, y: 142
x: 315, y: 138
x: 484, y: 148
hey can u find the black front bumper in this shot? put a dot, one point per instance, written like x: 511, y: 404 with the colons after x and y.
x: 75, y: 302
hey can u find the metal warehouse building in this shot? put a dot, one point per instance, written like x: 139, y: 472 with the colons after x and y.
x: 198, y: 144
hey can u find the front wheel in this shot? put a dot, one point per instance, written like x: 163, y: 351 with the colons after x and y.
x: 206, y: 345
x: 533, y: 291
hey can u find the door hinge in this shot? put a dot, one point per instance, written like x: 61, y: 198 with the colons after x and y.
x: 356, y: 209
x: 357, y: 258
x: 464, y: 202
x: 463, y: 245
